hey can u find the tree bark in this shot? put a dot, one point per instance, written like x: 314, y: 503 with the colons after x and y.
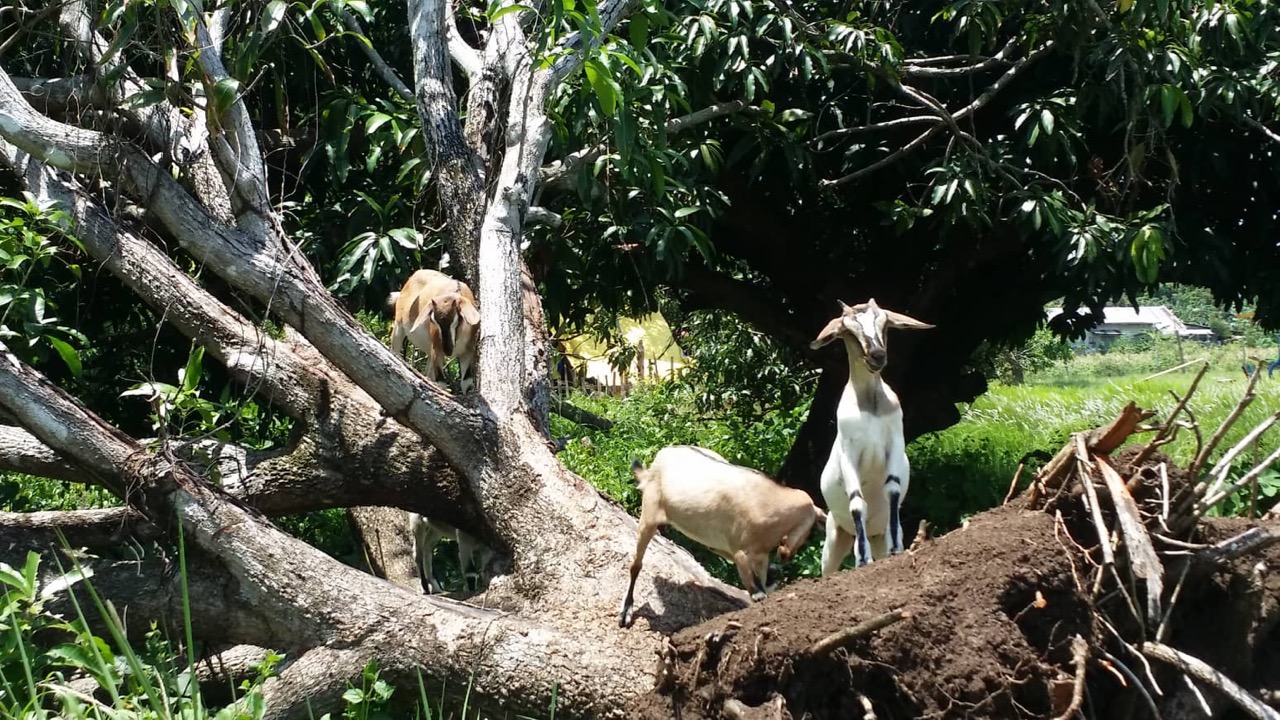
x: 562, y: 551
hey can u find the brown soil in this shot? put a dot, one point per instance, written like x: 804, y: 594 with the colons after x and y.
x: 993, y: 610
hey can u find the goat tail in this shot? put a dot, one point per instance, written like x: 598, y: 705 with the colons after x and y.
x: 391, y: 300
x: 820, y: 513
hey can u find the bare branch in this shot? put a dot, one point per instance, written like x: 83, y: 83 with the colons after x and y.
x: 886, y: 160
x: 1079, y: 658
x: 380, y: 66
x: 572, y: 50
x: 848, y: 636
x: 1272, y: 135
x: 950, y: 119
x: 1245, y: 479
x: 839, y: 133
x: 1246, y: 398
x: 1203, y: 672
x: 236, y: 147
x: 926, y: 67
x: 543, y: 216
x: 107, y: 527
x: 458, y: 166
x: 50, y: 94
x: 20, y: 451
x: 287, y: 283
x: 1249, y: 541
x: 1143, y: 560
x: 463, y: 55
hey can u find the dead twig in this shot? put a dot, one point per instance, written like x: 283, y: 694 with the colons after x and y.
x: 868, y: 712
x: 1103, y: 440
x: 1201, y: 671
x: 1203, y: 456
x: 1223, y: 466
x: 1143, y: 560
x: 848, y: 636
x: 1125, y: 670
x: 1249, y: 477
x: 1079, y: 658
x: 1249, y: 541
x: 1163, y: 629
x: 1170, y: 425
x: 1095, y: 510
x: 1013, y: 486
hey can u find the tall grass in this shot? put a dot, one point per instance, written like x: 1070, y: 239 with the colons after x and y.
x: 968, y: 467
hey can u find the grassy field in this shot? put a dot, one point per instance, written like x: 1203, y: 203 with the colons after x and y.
x: 973, y: 462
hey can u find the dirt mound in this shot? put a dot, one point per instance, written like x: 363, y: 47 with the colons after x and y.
x: 1019, y: 614
x: 992, y: 610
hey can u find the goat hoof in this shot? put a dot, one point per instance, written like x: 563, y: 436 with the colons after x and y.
x: 757, y: 596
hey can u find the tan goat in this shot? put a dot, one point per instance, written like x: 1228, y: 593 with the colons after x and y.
x: 438, y: 314
x: 737, y: 512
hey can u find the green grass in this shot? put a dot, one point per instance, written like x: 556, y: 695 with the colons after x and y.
x: 967, y: 468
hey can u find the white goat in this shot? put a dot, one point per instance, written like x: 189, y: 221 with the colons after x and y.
x: 439, y: 316
x: 867, y: 473
x: 737, y: 512
x: 427, y: 534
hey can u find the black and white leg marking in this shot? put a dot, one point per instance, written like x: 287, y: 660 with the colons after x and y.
x: 861, y: 545
x: 894, y: 488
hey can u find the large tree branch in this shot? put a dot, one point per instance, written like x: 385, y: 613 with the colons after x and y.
x: 20, y: 451
x: 459, y: 170
x: 46, y: 530
x: 1271, y: 135
x: 277, y: 575
x: 275, y: 275
x: 236, y: 148
x: 464, y: 56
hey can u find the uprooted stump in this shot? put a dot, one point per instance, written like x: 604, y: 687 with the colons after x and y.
x: 1102, y: 591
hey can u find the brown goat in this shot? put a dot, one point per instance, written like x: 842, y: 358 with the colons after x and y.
x: 737, y: 512
x: 438, y: 314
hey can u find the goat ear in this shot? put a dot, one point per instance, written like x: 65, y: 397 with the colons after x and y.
x: 469, y: 313
x: 905, y: 322
x: 828, y: 333
x: 843, y: 308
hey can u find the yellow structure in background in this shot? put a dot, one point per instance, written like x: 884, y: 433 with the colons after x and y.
x: 662, y: 355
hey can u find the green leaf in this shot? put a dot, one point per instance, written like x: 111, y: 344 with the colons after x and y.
x: 1046, y: 121
x: 686, y: 211
x: 274, y: 15
x: 68, y: 354
x: 353, y: 696
x: 361, y: 8
x: 375, y: 121
x: 145, y: 99
x: 1168, y: 101
x: 639, y: 29
x: 604, y: 86
x: 514, y: 7
x: 225, y: 93
x: 1146, y: 251
x: 192, y: 372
